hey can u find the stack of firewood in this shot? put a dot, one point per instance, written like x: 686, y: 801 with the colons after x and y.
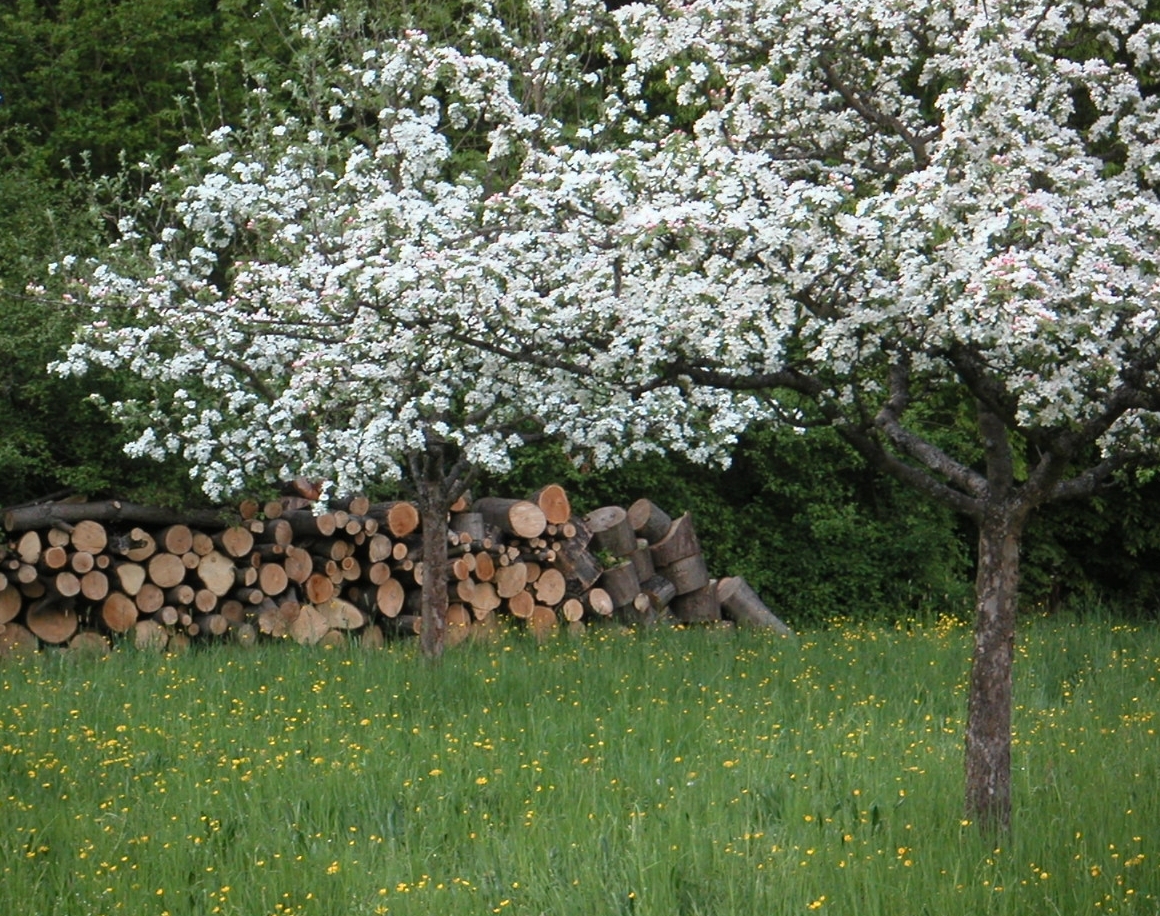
x: 79, y: 575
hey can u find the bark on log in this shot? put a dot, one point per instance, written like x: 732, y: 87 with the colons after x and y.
x: 680, y: 542
x: 701, y: 606
x: 688, y: 574
x: 740, y: 603
x: 46, y: 515
x: 648, y: 520
x: 470, y: 524
x: 621, y: 584
x: 514, y: 516
x: 611, y: 532
x: 643, y: 561
x: 305, y: 523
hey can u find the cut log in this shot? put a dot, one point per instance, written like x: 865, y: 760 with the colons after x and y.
x: 298, y: 564
x: 211, y: 624
x: 275, y: 620
x: 56, y: 558
x: 341, y: 615
x: 550, y: 587
x: 80, y: 562
x: 470, y: 524
x: 514, y: 516
x: 521, y: 605
x: 319, y: 588
x: 244, y: 634
x: 401, y: 518
x: 611, y: 532
x: 16, y: 639
x: 66, y: 585
x: 378, y: 548
x: 389, y: 598
x: 166, y: 570
x: 598, y: 603
x: 510, y: 580
x: 701, y: 606
x: 272, y: 578
x: 554, y: 503
x: 217, y: 572
x: 648, y: 520
x: 484, y: 599
x: 740, y: 603
x: 680, y: 542
x: 309, y: 627
x: 130, y: 577
x: 305, y: 523
x: 572, y: 610
x: 543, y: 621
x: 89, y: 536
x: 29, y: 547
x: 94, y: 585
x: 659, y: 592
x: 150, y: 636
x: 183, y: 594
x: 484, y: 567
x: 11, y: 601
x: 149, y: 599
x: 176, y: 539
x: 51, y: 621
x: 688, y: 574
x: 118, y: 612
x: 235, y: 542
x: 138, y: 547
x: 89, y: 642
x: 276, y: 531
x: 579, y: 566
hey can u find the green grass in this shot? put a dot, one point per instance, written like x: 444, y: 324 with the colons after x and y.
x: 668, y: 772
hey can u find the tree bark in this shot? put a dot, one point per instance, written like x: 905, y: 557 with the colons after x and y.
x: 988, y: 734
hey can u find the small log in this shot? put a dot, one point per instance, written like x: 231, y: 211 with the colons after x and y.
x: 701, y: 606
x: 235, y: 542
x: 275, y: 619
x: 276, y: 531
x: 579, y: 566
x: 543, y: 621
x: 740, y: 603
x: 244, y: 634
x: 89, y: 536
x: 138, y: 547
x: 319, y: 588
x: 680, y: 542
x: 168, y: 616
x: 56, y: 558
x: 371, y: 637
x: 402, y: 518
x: 688, y: 574
x: 611, y: 532
x: 149, y: 599
x: 554, y: 503
x: 378, y: 548
x: 484, y: 567
x: 298, y: 564
x: 572, y: 610
x: 305, y: 523
x: 66, y: 585
x: 211, y: 624
x: 80, y: 562
x: 659, y: 592
x: 484, y: 599
x: 514, y: 516
x: 598, y: 603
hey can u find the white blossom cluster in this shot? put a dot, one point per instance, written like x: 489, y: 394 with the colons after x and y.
x: 442, y: 243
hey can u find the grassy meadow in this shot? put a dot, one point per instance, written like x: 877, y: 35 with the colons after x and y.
x: 667, y: 772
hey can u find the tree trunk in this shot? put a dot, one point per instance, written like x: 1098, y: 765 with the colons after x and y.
x: 434, y: 505
x: 988, y: 736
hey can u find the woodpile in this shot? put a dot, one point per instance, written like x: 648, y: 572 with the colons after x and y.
x: 84, y: 575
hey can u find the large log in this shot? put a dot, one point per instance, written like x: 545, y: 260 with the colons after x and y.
x: 648, y: 520
x: 554, y: 503
x: 217, y: 573
x: 11, y: 601
x: 680, y: 542
x: 621, y: 584
x: 740, y: 603
x: 611, y: 532
x: 51, y: 621
x: 687, y: 574
x: 118, y: 612
x: 16, y: 639
x: 701, y: 606
x: 550, y: 587
x: 514, y: 516
x: 46, y: 515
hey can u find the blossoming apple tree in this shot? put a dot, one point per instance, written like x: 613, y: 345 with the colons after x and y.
x: 893, y: 218
x: 328, y: 289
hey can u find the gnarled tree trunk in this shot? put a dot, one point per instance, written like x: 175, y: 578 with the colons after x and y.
x: 988, y: 735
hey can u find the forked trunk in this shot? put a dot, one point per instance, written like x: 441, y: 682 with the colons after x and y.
x: 988, y: 737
